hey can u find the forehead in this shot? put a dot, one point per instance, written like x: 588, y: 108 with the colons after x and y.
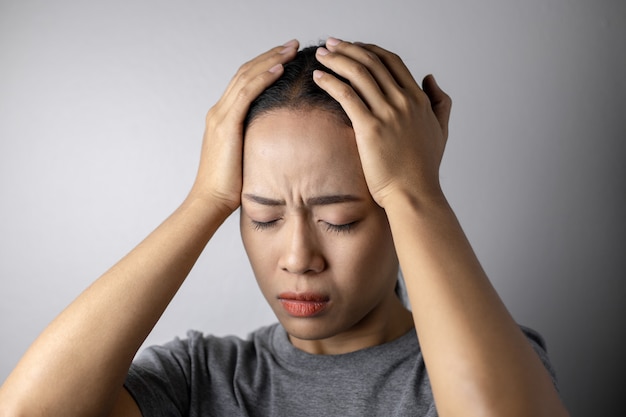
x: 307, y: 149
x: 318, y: 129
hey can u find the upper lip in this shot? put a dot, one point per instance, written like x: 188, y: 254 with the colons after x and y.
x: 303, y: 296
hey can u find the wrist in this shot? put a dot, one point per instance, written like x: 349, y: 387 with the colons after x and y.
x: 217, y: 210
x: 417, y: 202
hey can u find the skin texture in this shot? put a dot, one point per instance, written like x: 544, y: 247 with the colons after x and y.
x: 478, y: 360
x: 342, y: 250
x: 77, y: 366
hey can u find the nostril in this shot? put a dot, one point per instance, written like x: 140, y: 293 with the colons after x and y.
x: 303, y: 261
x: 302, y: 252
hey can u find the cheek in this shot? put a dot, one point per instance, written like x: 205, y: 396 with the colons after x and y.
x: 260, y: 247
x: 379, y: 244
x: 250, y: 242
x: 259, y: 257
x: 370, y: 259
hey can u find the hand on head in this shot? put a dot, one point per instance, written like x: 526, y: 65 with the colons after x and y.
x: 401, y: 129
x: 219, y: 174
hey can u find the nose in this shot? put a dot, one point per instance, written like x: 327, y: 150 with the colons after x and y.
x: 302, y: 253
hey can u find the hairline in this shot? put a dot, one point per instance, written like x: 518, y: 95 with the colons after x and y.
x: 299, y: 108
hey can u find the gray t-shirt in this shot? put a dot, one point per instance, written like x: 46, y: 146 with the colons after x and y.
x: 265, y: 375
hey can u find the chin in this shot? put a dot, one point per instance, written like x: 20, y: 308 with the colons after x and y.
x: 308, y: 329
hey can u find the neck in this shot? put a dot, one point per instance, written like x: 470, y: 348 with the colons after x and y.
x: 382, y: 325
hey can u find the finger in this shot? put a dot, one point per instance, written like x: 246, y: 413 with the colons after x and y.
x: 350, y: 101
x: 285, y: 49
x: 256, y: 75
x: 394, y: 64
x: 365, y: 61
x: 360, y: 77
x: 441, y: 103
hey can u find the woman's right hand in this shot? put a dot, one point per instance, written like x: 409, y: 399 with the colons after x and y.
x: 87, y: 349
x: 219, y: 176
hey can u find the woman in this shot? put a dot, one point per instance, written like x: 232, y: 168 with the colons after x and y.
x: 338, y: 188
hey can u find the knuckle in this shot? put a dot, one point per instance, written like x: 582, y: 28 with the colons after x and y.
x: 388, y: 113
x: 370, y: 58
x: 405, y: 103
x: 221, y: 130
x: 212, y: 121
x: 244, y: 68
x: 360, y: 71
x: 244, y: 77
x: 422, y: 99
x: 374, y: 126
x: 395, y: 57
x: 346, y: 93
x: 214, y: 113
x: 244, y: 93
x: 209, y: 116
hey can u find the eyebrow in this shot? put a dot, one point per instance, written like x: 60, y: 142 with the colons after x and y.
x: 323, y: 200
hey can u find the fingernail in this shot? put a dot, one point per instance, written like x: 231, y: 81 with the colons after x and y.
x: 322, y: 51
x: 292, y: 42
x: 275, y: 68
x: 289, y: 46
x: 318, y: 74
x: 332, y: 41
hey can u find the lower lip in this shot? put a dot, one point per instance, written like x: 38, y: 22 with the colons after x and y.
x: 297, y: 308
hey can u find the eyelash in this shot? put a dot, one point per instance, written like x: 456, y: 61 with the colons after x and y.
x: 338, y: 228
x: 263, y: 225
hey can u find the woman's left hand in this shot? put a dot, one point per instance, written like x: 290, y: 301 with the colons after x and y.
x: 400, y: 128
x: 465, y: 331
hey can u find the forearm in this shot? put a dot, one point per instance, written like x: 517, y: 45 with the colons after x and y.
x: 78, y: 364
x: 477, y: 358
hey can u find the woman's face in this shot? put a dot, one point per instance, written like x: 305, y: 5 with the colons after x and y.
x: 320, y: 247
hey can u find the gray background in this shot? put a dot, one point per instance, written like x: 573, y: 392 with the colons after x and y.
x: 102, y: 108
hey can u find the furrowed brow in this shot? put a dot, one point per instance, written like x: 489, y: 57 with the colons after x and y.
x: 325, y: 200
x: 264, y: 200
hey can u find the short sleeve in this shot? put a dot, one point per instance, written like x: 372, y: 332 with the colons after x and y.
x: 539, y: 345
x: 158, y: 380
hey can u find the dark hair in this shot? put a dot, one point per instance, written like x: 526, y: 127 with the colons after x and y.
x: 296, y: 90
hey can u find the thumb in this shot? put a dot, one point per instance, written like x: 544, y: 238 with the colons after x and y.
x: 440, y: 102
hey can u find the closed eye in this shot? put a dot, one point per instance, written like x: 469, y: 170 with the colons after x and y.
x: 340, y: 228
x: 263, y: 225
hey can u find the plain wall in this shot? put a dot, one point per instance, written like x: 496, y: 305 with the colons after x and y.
x: 102, y: 109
